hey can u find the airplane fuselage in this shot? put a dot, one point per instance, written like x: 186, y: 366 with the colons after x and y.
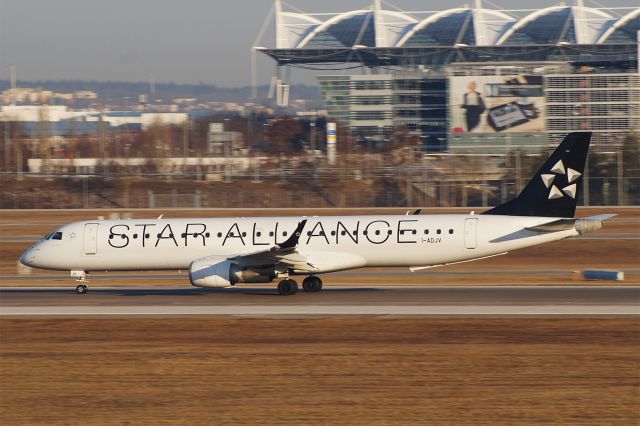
x: 328, y: 243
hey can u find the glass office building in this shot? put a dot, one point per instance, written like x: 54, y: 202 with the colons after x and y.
x: 474, y: 78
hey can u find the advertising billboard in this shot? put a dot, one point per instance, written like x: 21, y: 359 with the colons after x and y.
x: 502, y: 103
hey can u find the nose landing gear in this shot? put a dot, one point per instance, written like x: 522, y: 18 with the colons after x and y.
x: 82, y: 281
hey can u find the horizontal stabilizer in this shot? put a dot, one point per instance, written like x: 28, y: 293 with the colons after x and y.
x: 555, y: 226
x: 601, y: 217
x: 582, y: 225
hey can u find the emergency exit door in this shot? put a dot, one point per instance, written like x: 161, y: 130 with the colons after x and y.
x: 91, y: 238
x: 470, y: 233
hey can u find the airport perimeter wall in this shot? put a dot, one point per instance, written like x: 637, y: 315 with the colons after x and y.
x: 70, y: 192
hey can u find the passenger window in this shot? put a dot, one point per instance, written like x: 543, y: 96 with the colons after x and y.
x: 451, y: 231
x: 439, y: 232
x: 56, y: 236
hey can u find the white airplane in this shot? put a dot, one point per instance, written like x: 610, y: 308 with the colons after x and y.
x: 222, y: 252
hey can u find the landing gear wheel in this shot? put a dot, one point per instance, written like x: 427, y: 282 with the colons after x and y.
x: 287, y: 287
x: 82, y: 289
x: 312, y: 284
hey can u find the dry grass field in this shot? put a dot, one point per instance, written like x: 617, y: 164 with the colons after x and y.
x: 347, y: 371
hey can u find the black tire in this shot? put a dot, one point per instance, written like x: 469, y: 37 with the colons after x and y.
x: 318, y: 284
x: 312, y: 284
x: 81, y: 289
x: 294, y: 287
x: 308, y: 284
x: 287, y: 287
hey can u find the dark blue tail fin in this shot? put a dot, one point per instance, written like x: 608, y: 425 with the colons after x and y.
x: 555, y: 188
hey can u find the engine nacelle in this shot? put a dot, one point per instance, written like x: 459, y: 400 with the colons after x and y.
x: 219, y: 273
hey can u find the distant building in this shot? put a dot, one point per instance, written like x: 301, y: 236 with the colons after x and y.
x: 222, y: 142
x: 473, y: 78
x: 372, y: 105
x: 31, y: 96
x: 61, y: 121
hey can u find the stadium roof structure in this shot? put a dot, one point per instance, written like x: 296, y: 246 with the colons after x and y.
x: 559, y: 24
x: 375, y: 36
x: 625, y: 30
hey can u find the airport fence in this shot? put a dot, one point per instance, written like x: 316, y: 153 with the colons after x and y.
x: 405, y: 193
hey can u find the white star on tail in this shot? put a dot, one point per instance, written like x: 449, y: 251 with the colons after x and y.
x: 570, y: 190
x: 548, y: 179
x: 558, y: 168
x: 572, y: 175
x: 554, y: 191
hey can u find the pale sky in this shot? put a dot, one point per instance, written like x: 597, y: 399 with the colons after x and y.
x: 183, y: 41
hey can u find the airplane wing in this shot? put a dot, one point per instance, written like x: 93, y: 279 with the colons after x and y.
x: 285, y: 254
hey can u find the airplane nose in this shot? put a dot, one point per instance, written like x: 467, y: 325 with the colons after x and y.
x: 28, y: 258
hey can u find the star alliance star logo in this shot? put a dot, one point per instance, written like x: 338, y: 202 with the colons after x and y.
x: 557, y: 171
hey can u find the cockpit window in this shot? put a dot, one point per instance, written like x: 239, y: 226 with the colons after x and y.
x: 57, y: 235
x: 46, y: 237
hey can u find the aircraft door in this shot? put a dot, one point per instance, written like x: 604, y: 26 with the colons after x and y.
x: 470, y: 233
x: 91, y: 238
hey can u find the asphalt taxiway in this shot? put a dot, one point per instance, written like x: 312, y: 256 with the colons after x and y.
x: 333, y: 300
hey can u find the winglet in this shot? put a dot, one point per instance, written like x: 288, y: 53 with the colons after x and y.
x: 292, y: 241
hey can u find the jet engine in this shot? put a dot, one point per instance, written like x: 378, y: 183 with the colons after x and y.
x: 222, y: 273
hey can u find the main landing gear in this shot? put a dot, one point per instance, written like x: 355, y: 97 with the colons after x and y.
x: 82, y: 281
x: 288, y: 287
x: 312, y: 284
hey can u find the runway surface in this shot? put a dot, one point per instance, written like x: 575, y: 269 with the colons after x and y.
x: 396, y: 272
x: 333, y: 300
